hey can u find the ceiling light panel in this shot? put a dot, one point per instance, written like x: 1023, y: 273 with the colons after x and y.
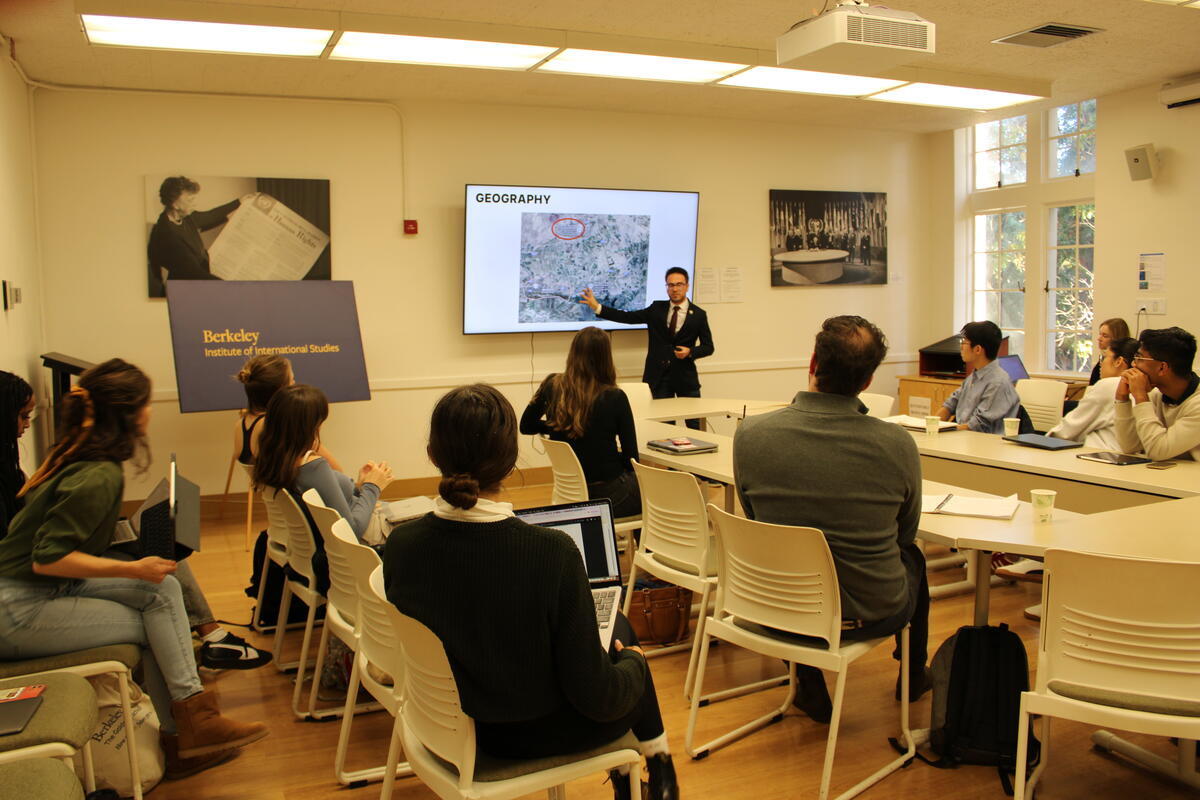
x: 211, y: 37
x: 606, y: 64
x: 357, y: 46
x: 806, y: 82
x: 932, y: 94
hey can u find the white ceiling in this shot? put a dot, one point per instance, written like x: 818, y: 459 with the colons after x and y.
x: 1142, y: 44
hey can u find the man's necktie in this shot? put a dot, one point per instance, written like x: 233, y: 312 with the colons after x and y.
x: 674, y: 319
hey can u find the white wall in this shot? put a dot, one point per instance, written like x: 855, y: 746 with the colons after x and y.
x: 409, y: 288
x: 21, y: 326
x: 1159, y: 215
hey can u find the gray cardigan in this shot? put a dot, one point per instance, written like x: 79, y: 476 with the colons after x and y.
x: 821, y: 462
x: 337, y: 491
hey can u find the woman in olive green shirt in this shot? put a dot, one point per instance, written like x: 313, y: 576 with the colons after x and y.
x: 59, y: 594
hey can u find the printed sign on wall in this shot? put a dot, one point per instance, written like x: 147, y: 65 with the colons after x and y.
x: 217, y: 325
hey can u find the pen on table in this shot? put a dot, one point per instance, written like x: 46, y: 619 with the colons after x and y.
x: 945, y: 500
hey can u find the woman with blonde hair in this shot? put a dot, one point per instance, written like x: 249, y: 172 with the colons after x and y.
x: 583, y: 406
x: 60, y: 593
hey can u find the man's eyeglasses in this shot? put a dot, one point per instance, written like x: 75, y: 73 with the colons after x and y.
x: 1144, y: 358
x: 676, y: 285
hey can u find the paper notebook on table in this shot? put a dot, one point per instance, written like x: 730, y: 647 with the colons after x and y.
x: 411, y: 508
x: 961, y: 506
x: 682, y: 445
x: 918, y: 423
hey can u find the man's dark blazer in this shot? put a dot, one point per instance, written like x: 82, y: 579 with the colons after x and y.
x: 660, y: 344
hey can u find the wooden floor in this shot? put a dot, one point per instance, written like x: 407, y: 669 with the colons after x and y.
x: 781, y: 761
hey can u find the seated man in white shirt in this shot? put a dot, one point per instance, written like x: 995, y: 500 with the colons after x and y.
x: 1093, y: 420
x: 1164, y: 419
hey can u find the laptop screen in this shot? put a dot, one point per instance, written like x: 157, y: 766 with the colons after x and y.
x: 590, y: 526
x: 1014, y: 367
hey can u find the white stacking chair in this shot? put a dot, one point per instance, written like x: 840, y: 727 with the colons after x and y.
x: 638, y: 394
x: 341, y: 601
x: 570, y: 485
x: 1043, y: 400
x: 783, y: 577
x: 878, y: 405
x: 300, y: 549
x: 276, y: 552
x: 351, y: 564
x: 436, y: 730
x: 1119, y: 646
x: 676, y: 546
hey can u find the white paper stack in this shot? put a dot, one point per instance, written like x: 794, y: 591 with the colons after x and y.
x: 961, y: 506
x: 411, y: 508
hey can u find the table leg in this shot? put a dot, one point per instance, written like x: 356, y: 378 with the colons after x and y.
x: 729, y: 499
x: 983, y: 585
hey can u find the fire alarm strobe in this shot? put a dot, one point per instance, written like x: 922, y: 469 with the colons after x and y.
x: 410, y: 226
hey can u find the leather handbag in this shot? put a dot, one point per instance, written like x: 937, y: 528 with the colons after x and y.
x: 661, y: 615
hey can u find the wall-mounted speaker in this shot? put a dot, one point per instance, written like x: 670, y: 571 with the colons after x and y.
x: 1142, y: 162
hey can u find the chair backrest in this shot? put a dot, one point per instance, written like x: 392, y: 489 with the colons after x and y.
x: 570, y: 486
x: 1120, y: 625
x: 347, y: 558
x: 878, y: 405
x: 637, y: 392
x: 300, y: 543
x: 277, y: 524
x: 432, y: 710
x: 377, y: 639
x: 1043, y: 399
x: 780, y: 576
x: 674, y: 522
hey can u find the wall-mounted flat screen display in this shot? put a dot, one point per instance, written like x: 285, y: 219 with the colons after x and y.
x: 531, y: 250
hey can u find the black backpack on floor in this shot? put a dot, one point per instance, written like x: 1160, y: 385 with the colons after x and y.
x: 266, y: 616
x: 978, y: 676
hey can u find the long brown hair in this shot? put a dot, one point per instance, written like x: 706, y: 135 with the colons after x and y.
x: 98, y: 420
x: 294, y: 417
x: 262, y: 376
x: 590, y: 373
x: 1117, y: 328
x: 472, y: 441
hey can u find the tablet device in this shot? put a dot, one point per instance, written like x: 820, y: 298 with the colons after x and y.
x: 15, y: 714
x: 1119, y: 459
x: 1043, y: 442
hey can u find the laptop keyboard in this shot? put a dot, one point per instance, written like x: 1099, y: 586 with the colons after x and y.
x: 157, y: 537
x: 604, y: 601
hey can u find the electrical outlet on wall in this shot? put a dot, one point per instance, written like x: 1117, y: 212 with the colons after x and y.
x: 1153, y: 305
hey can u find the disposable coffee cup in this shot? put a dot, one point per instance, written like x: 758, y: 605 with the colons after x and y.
x: 1012, y: 426
x: 1043, y: 504
x: 932, y: 425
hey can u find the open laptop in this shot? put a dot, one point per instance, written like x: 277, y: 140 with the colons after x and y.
x: 1014, y: 367
x: 590, y: 526
x: 168, y: 524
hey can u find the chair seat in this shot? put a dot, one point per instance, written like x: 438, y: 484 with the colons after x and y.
x: 1177, y: 707
x: 684, y: 567
x: 490, y: 768
x: 67, y: 714
x: 39, y: 777
x: 128, y: 654
x: 776, y: 643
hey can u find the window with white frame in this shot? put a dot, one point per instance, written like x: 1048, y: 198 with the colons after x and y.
x: 1071, y: 139
x: 1070, y: 268
x: 998, y: 290
x: 1000, y: 152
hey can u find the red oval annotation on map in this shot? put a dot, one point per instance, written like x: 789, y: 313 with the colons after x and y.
x: 568, y: 228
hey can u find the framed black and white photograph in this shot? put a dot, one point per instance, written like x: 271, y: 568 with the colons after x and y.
x: 236, y: 229
x: 828, y: 238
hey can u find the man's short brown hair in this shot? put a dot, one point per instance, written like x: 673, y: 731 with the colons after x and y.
x: 848, y: 350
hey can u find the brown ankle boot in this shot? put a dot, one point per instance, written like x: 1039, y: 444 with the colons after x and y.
x: 202, y: 730
x: 177, y: 767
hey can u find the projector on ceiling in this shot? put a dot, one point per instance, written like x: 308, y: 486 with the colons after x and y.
x: 856, y: 38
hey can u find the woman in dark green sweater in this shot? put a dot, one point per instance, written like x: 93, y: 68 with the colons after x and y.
x: 512, y: 606
x: 59, y: 592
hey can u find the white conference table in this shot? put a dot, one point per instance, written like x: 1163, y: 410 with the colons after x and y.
x: 988, y: 463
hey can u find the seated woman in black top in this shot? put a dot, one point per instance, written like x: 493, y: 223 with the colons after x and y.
x: 16, y: 408
x: 262, y: 377
x: 1110, y: 330
x: 583, y: 407
x: 517, y: 620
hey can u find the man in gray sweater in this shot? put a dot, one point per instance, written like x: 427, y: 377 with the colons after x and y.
x: 822, y: 462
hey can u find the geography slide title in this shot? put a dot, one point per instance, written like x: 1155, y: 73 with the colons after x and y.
x: 491, y: 197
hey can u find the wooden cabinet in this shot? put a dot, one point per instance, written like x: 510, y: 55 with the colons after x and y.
x: 921, y: 396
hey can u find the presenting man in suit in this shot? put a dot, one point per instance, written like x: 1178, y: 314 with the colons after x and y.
x: 677, y: 334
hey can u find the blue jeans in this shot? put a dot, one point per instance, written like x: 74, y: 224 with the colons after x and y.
x: 49, y: 618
